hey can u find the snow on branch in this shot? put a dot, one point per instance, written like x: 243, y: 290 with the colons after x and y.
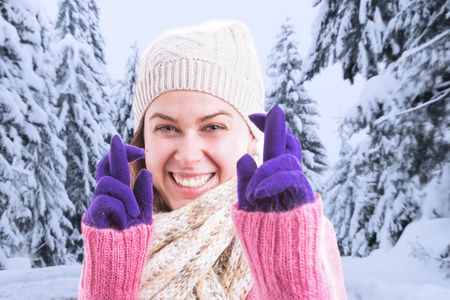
x: 438, y: 97
x: 429, y: 25
x: 413, y: 51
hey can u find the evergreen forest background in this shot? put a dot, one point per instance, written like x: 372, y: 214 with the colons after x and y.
x: 59, y: 109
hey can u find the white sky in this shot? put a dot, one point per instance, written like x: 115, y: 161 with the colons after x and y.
x: 124, y: 22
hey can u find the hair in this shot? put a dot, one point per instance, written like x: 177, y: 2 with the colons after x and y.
x: 159, y: 205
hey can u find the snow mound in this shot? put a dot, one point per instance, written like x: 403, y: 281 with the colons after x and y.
x: 17, y: 263
x: 397, y: 273
x: 433, y: 235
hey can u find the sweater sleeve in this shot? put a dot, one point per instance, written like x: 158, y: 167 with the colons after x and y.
x: 292, y: 255
x: 113, y: 262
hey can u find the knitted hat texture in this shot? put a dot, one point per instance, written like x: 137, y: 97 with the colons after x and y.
x: 218, y: 58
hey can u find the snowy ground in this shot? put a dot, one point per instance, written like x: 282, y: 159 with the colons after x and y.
x: 38, y: 284
x: 388, y: 275
x: 366, y: 279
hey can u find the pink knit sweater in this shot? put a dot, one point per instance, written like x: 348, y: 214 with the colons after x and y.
x: 292, y: 255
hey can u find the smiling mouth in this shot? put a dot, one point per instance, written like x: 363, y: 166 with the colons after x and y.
x: 193, y: 182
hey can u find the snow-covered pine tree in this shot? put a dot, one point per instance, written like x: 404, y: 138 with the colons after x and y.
x: 404, y: 110
x: 34, y: 200
x: 81, y: 82
x: 123, y: 93
x: 13, y: 125
x: 285, y: 67
x: 349, y: 32
x: 108, y: 112
x: 342, y: 192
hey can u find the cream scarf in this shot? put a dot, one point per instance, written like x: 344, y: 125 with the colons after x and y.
x: 195, y: 253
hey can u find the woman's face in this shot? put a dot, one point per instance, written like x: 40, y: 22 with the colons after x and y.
x: 192, y: 142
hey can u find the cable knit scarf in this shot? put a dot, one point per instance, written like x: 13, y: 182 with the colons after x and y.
x: 195, y: 253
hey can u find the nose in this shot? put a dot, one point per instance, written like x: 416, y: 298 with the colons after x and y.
x: 189, y: 150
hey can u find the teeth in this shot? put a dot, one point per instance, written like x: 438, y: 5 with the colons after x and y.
x: 192, y: 183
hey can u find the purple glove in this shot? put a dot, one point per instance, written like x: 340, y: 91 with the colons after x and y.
x: 279, y: 184
x: 114, y: 204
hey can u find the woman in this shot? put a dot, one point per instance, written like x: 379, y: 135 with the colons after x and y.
x: 188, y: 237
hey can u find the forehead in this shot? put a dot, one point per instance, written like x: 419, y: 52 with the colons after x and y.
x: 189, y: 104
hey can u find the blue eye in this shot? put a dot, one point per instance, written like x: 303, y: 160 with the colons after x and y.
x: 214, y: 127
x: 165, y: 128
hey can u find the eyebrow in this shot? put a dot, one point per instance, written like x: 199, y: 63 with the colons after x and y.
x: 208, y: 117
x: 199, y: 120
x: 162, y: 116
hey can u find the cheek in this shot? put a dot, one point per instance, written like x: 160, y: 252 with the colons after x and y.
x: 156, y: 155
x: 227, y: 153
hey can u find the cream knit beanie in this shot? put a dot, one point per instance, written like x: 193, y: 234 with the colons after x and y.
x: 218, y: 58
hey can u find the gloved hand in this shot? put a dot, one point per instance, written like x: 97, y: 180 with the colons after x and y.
x: 279, y: 183
x: 114, y: 204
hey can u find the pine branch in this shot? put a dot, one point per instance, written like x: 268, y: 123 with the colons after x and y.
x: 21, y: 170
x: 404, y: 9
x: 423, y: 254
x: 439, y: 96
x: 413, y: 51
x: 427, y: 28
